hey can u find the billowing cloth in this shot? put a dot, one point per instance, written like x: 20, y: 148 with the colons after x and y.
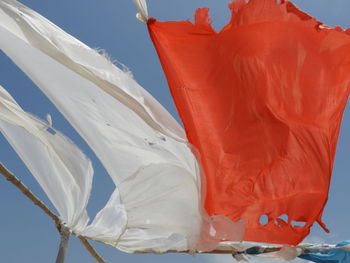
x: 62, y: 170
x: 262, y: 100
x: 53, y: 160
x: 338, y: 254
x: 142, y: 147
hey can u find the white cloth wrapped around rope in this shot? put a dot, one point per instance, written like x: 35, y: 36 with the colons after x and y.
x: 141, y: 5
x: 142, y: 147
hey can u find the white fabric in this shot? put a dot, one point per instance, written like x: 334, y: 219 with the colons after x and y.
x: 141, y: 146
x: 36, y: 30
x: 162, y: 204
x: 61, y: 169
x: 141, y: 5
x: 286, y: 253
x: 109, y: 224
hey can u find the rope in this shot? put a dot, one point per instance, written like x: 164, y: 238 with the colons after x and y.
x: 90, y: 248
x: 62, y: 252
x: 16, y: 182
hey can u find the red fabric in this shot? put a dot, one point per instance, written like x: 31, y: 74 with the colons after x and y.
x: 262, y: 101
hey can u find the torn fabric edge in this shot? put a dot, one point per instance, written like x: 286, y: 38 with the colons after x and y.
x: 36, y: 30
x: 55, y: 162
x: 290, y: 11
x: 91, y: 107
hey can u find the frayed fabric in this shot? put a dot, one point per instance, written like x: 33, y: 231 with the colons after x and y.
x: 157, y: 204
x: 262, y: 100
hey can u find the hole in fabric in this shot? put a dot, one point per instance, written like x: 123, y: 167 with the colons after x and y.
x: 52, y: 131
x: 264, y: 219
x: 284, y: 217
x: 162, y: 138
x: 282, y: 220
x: 298, y: 223
x: 150, y: 143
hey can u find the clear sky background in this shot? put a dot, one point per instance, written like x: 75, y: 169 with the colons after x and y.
x: 28, y: 235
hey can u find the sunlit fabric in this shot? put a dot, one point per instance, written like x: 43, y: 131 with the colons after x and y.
x: 62, y: 170
x: 142, y: 147
x: 141, y: 5
x: 262, y: 100
x: 52, y: 159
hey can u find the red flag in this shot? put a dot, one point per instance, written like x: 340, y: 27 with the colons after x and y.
x: 262, y: 101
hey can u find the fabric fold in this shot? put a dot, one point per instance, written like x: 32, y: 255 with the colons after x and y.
x: 61, y: 169
x: 262, y: 100
x: 40, y: 33
x: 142, y: 147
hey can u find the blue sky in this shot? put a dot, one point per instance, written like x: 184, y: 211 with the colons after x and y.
x: 27, y: 235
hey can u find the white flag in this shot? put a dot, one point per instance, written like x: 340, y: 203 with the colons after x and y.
x: 142, y: 147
